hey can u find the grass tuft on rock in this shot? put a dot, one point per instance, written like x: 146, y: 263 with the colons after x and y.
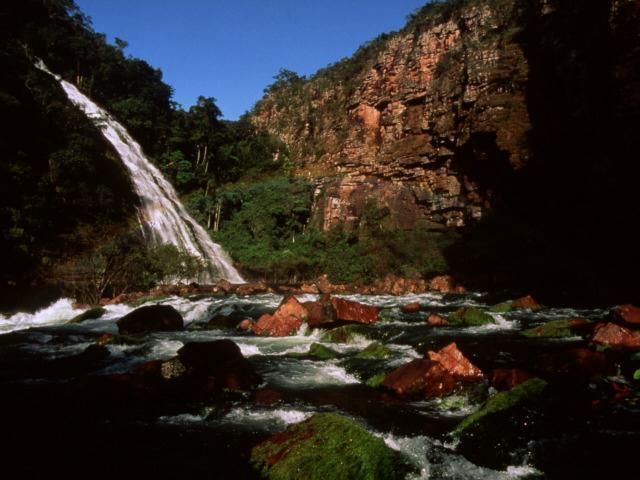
x: 470, y: 317
x: 375, y: 351
x: 552, y: 329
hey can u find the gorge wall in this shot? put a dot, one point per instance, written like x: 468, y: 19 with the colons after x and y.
x: 509, y: 120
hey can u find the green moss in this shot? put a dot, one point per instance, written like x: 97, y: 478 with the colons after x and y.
x: 376, y: 380
x: 553, y: 329
x: 344, y: 334
x: 90, y: 314
x: 470, y: 317
x: 503, y: 401
x: 636, y: 374
x: 503, y: 307
x: 325, y: 447
x: 375, y: 351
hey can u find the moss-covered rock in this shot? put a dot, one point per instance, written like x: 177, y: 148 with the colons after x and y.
x: 501, y: 402
x: 90, y: 314
x: 470, y: 317
x: 376, y: 380
x: 552, y: 329
x: 504, y: 307
x: 375, y: 351
x: 344, y: 334
x: 316, y: 351
x: 325, y: 447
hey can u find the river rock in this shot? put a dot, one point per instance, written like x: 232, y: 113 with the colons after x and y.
x: 286, y: 320
x: 616, y: 336
x: 246, y: 325
x: 90, y: 314
x: 436, y: 320
x: 151, y: 318
x: 526, y: 302
x: 413, y: 307
x: 440, y: 373
x: 326, y: 446
x: 348, y: 311
x: 320, y: 312
x: 221, y: 363
x: 627, y: 314
x: 507, y: 378
x: 470, y: 317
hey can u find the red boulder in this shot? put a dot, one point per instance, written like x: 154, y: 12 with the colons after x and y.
x: 440, y: 373
x: 320, y: 312
x: 349, y: 311
x: 526, y: 302
x: 580, y: 364
x: 616, y: 335
x: 286, y: 320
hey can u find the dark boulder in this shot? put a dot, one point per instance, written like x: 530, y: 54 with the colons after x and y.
x: 151, y: 318
x: 506, y: 378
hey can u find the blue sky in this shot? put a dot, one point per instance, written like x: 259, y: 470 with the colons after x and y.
x: 231, y: 49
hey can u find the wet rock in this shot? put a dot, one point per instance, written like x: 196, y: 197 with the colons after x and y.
x: 500, y: 402
x: 552, y: 329
x: 470, y: 317
x: 507, y: 378
x: 440, y: 373
x: 220, y: 364
x: 326, y: 446
x: 246, y: 325
x: 411, y: 307
x: 344, y: 334
x: 627, y: 314
x: 316, y: 351
x: 436, y: 320
x: 320, y: 312
x: 90, y: 314
x: 526, y: 302
x: 309, y: 288
x: 348, y: 311
x: 576, y: 364
x: 223, y: 286
x: 286, y: 320
x: 616, y: 336
x: 151, y: 318
x: 503, y: 307
x: 375, y: 351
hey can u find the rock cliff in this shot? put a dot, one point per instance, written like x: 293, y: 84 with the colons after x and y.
x: 429, y: 124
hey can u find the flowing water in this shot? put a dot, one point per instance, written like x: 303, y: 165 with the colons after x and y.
x: 47, y: 413
x: 162, y: 217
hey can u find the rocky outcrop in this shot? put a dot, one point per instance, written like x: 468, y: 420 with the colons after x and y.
x: 151, y: 318
x: 427, y: 123
x: 616, y: 336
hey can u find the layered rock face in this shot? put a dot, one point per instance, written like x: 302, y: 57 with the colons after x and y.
x: 429, y: 124
x: 427, y: 127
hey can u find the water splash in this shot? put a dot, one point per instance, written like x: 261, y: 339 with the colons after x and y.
x: 162, y: 217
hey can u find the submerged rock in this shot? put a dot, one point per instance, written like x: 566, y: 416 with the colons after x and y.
x: 527, y: 302
x: 327, y: 446
x: 552, y: 329
x: 151, y: 318
x: 440, y: 373
x: 286, y: 320
x: 375, y: 351
x: 500, y: 402
x: 616, y: 336
x: 317, y: 351
x: 470, y: 317
x: 90, y: 314
x: 577, y: 364
x: 344, y: 334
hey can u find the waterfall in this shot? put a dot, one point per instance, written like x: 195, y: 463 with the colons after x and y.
x: 162, y: 217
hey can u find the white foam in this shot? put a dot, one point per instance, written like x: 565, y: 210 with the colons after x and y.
x: 165, y: 349
x: 308, y: 374
x: 57, y: 313
x: 279, y: 417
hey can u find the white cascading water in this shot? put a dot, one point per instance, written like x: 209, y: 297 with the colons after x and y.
x: 162, y: 217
